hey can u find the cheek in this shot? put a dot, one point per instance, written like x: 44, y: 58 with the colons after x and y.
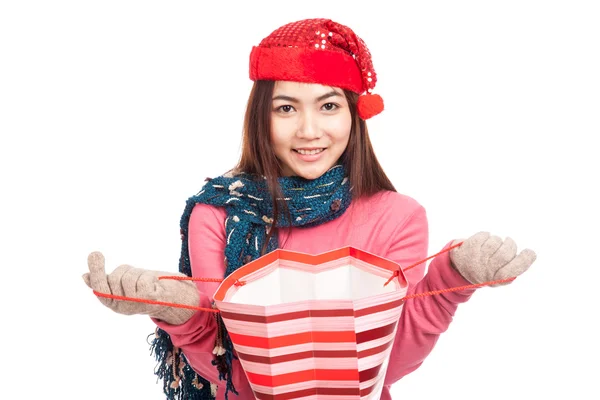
x: 339, y: 129
x: 280, y: 135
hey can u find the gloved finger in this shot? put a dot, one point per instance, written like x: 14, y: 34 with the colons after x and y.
x: 146, y: 285
x: 128, y: 284
x: 86, y: 279
x: 517, y: 266
x: 473, y: 244
x: 98, y: 278
x: 504, y: 255
x: 129, y: 281
x: 114, y: 279
x: 468, y: 249
x: 489, y: 247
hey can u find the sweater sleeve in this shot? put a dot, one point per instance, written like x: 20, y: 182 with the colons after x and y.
x: 423, y: 319
x: 196, y: 337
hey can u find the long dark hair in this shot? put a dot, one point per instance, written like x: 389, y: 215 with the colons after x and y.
x: 258, y: 157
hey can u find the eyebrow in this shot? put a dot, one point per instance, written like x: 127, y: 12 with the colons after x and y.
x: 327, y: 95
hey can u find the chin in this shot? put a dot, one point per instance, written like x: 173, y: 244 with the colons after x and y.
x: 310, y: 173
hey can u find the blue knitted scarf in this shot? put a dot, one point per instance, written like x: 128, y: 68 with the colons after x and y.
x: 249, y: 207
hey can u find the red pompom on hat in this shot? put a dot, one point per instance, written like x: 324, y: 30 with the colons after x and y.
x: 319, y: 51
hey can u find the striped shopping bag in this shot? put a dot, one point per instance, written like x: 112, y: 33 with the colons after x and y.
x: 313, y: 326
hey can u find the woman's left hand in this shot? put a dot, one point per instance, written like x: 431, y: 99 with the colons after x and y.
x: 484, y: 258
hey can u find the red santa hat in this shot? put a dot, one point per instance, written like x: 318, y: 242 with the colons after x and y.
x: 319, y: 51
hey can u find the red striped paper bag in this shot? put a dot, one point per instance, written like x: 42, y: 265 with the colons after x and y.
x: 313, y: 327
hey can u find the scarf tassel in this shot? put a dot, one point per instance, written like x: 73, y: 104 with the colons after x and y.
x: 224, y: 356
x: 180, y: 381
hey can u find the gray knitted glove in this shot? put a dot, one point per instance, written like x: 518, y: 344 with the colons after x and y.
x: 483, y: 258
x: 144, y: 284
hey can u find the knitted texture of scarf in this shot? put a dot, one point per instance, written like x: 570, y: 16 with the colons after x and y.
x: 249, y: 208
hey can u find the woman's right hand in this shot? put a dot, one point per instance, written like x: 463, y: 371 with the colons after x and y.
x: 143, y: 284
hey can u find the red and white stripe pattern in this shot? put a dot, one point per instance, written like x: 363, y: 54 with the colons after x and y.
x: 320, y: 347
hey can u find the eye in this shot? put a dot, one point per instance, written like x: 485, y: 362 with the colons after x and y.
x: 330, y: 106
x: 286, y: 109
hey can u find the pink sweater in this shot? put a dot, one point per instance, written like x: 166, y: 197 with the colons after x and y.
x: 388, y: 224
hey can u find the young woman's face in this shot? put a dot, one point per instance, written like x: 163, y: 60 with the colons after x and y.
x: 310, y: 127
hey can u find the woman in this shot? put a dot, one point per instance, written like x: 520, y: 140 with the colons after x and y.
x: 309, y: 181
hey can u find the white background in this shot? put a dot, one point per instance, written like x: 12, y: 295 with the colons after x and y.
x: 112, y: 113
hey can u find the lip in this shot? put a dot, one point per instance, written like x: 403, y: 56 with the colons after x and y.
x: 309, y: 157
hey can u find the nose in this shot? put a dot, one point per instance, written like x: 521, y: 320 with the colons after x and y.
x: 308, y: 127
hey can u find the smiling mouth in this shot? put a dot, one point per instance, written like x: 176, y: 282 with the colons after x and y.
x: 310, y: 152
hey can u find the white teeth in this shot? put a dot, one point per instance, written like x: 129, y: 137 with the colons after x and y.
x: 309, y: 152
